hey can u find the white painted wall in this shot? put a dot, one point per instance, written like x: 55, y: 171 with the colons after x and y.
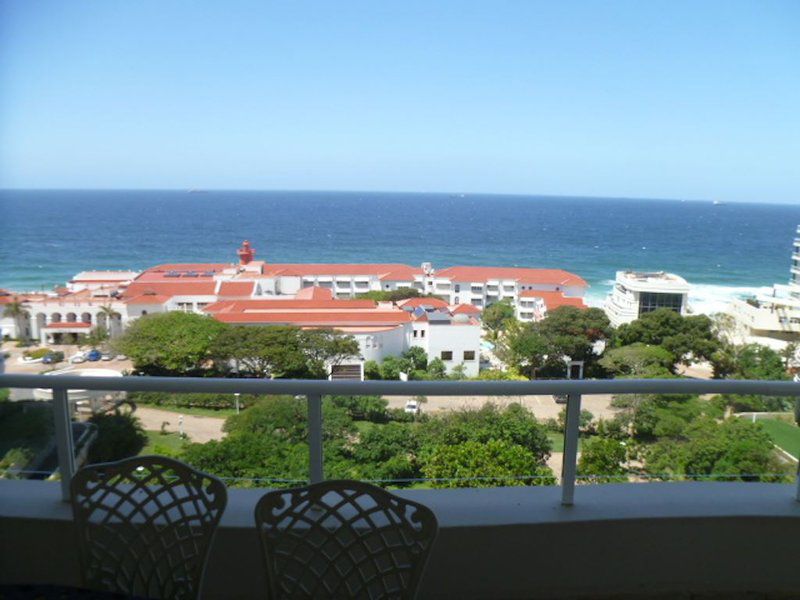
x: 457, y: 339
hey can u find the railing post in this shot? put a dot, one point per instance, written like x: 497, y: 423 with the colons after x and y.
x: 797, y: 484
x: 64, y: 442
x: 316, y: 473
x: 569, y: 465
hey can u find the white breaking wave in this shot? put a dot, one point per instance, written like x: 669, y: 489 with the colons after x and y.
x: 704, y: 299
x: 709, y: 299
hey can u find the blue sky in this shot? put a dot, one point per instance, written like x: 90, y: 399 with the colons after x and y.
x: 642, y: 99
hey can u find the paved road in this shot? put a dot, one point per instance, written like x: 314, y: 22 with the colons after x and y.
x: 199, y: 429
x: 542, y: 406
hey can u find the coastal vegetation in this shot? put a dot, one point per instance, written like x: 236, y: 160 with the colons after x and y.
x: 662, y: 437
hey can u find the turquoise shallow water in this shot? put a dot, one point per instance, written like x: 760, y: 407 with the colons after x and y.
x: 47, y: 236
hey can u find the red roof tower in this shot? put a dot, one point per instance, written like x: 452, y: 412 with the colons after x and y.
x: 246, y: 253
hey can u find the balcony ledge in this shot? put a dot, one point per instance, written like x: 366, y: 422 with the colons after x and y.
x: 500, y: 542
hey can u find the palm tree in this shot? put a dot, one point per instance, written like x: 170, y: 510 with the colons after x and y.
x: 109, y: 314
x: 16, y: 309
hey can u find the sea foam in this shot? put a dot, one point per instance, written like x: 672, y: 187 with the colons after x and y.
x: 704, y: 298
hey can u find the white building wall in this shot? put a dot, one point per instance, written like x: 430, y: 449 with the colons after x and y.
x: 378, y: 345
x: 456, y: 339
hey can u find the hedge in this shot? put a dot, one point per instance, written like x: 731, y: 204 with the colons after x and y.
x: 212, y: 401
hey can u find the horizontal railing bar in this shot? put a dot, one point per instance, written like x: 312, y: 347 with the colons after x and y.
x: 403, y: 388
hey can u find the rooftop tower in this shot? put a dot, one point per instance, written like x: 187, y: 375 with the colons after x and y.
x: 246, y: 253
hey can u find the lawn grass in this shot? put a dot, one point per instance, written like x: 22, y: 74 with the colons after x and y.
x: 157, y: 441
x: 557, y: 440
x: 784, y: 435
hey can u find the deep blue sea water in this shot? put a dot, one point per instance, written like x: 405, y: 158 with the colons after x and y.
x: 724, y: 250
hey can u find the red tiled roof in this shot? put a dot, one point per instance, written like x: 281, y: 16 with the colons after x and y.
x: 63, y: 325
x: 316, y: 319
x: 523, y: 275
x: 261, y: 306
x: 465, y: 309
x: 171, y: 288
x: 148, y: 299
x: 314, y: 293
x: 416, y: 302
x: 398, y: 271
x: 236, y: 288
x: 553, y: 300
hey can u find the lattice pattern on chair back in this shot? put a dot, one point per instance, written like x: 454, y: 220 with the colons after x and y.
x: 145, y: 525
x: 343, y: 539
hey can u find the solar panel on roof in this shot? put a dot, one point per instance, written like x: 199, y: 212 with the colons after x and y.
x: 191, y: 274
x: 172, y: 274
x: 208, y: 274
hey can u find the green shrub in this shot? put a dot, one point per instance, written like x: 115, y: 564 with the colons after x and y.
x: 210, y: 401
x: 5, y: 394
x: 37, y: 353
x: 118, y: 436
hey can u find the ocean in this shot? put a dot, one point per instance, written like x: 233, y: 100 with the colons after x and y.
x: 722, y: 250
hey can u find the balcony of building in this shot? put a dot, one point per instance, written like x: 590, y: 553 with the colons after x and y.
x: 692, y: 539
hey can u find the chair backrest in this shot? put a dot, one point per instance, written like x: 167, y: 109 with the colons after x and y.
x: 343, y: 539
x: 145, y: 525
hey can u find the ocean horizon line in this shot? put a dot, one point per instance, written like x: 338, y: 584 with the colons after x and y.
x: 448, y: 194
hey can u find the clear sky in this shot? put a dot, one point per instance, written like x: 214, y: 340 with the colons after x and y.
x: 670, y: 99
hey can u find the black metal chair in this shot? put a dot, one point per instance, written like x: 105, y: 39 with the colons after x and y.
x: 343, y: 539
x: 145, y: 525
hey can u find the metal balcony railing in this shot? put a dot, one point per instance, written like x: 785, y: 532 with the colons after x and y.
x: 314, y: 390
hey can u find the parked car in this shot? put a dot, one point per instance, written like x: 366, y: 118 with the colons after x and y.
x: 121, y: 357
x: 412, y: 407
x: 52, y: 358
x: 105, y: 356
x: 78, y: 358
x: 93, y: 355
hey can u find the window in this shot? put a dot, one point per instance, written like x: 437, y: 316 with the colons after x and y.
x: 415, y: 333
x: 650, y: 301
x: 447, y: 355
x: 469, y: 354
x: 144, y: 312
x: 458, y: 288
x: 422, y: 333
x: 457, y: 300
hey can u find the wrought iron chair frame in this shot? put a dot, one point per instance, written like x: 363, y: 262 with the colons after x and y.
x: 413, y: 518
x: 208, y: 498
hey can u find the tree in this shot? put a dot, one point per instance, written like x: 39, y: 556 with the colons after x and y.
x: 263, y: 351
x: 391, y: 367
x: 110, y: 314
x: 326, y: 348
x: 172, y: 343
x: 97, y: 337
x: 372, y: 370
x: 638, y: 360
x: 363, y: 408
x: 437, y: 369
x: 387, y: 453
x: 497, y: 317
x: 119, y: 435
x: 687, y: 338
x: 540, y: 348
x: 752, y: 361
x: 527, y: 351
x: 17, y: 311
x: 417, y: 358
x: 602, y: 460
x: 730, y: 450
x: 401, y: 293
x: 513, y: 423
x: 489, y: 464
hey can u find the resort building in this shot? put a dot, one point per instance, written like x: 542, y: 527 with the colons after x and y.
x: 771, y: 319
x: 636, y: 293
x: 307, y: 295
